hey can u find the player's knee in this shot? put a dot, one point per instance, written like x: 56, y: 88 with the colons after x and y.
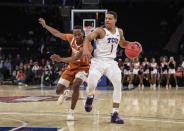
x: 92, y: 84
x: 76, y: 85
x: 117, y: 81
x: 117, y: 89
x: 117, y: 85
x: 58, y: 91
x: 60, y: 88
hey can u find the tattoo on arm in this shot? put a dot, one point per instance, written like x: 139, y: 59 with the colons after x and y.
x: 123, y: 43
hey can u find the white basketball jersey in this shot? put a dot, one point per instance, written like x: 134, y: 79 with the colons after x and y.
x: 107, y: 46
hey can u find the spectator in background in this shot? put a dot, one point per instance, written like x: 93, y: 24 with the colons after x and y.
x: 14, y: 74
x: 16, y: 61
x: 29, y: 75
x: 182, y: 65
x: 172, y: 71
x: 137, y: 74
x: 20, y: 77
x: 47, y: 74
x: 120, y: 64
x: 7, y: 68
x: 1, y: 66
x: 163, y: 71
x: 154, y: 72
x: 126, y: 72
x: 145, y: 67
x: 35, y: 70
x: 31, y: 63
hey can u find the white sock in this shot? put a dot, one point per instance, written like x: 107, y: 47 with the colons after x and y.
x: 71, y: 111
x: 115, y: 110
x: 91, y: 96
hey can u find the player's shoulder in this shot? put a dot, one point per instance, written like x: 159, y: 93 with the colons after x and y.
x: 68, y: 37
x: 101, y: 31
x: 120, y: 30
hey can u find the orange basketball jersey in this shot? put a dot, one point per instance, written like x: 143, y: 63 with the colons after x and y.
x: 76, y: 66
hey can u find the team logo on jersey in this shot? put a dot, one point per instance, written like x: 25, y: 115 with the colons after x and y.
x: 112, y: 40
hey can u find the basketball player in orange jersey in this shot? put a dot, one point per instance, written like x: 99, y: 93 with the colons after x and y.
x: 107, y: 40
x: 76, y: 71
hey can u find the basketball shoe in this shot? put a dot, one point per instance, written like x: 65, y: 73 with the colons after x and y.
x: 116, y: 119
x: 67, y: 93
x: 88, y: 104
x: 70, y: 116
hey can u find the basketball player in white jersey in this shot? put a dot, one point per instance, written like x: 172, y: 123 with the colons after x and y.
x: 103, y: 63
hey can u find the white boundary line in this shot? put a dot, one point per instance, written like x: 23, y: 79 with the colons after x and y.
x: 24, y: 124
x: 90, y: 115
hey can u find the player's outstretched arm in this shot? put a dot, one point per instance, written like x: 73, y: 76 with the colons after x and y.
x: 52, y: 30
x: 86, y: 55
x: 58, y: 58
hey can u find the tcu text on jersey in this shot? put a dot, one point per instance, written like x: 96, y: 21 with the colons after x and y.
x: 112, y: 40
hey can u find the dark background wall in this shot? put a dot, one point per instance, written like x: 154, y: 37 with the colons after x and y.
x: 150, y: 22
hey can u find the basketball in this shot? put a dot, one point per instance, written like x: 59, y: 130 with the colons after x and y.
x: 133, y: 50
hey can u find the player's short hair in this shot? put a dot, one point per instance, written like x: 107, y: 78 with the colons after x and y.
x: 79, y: 27
x: 113, y: 13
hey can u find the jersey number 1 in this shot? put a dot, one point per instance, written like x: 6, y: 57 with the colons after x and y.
x: 111, y: 48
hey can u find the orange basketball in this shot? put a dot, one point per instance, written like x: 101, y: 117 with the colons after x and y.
x: 133, y: 50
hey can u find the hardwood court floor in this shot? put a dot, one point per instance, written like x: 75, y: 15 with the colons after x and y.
x: 148, y: 110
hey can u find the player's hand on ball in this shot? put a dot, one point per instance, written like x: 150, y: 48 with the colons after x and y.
x: 138, y: 44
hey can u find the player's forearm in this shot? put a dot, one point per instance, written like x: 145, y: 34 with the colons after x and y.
x: 71, y: 59
x: 53, y: 31
x: 86, y: 43
x: 66, y: 60
x: 124, y: 43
